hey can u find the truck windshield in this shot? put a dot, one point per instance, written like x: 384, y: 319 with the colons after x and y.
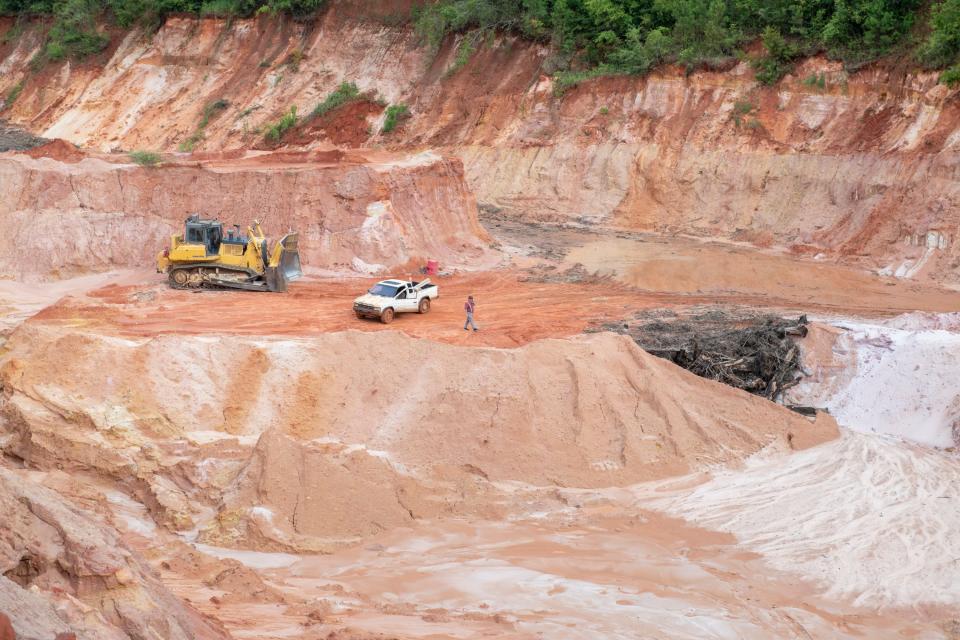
x: 384, y: 290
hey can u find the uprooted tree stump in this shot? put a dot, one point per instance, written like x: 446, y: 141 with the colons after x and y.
x: 755, y: 353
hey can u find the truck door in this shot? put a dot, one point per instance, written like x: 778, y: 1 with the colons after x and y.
x: 407, y: 299
x: 413, y: 298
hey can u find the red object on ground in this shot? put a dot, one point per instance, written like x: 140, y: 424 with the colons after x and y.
x: 432, y: 267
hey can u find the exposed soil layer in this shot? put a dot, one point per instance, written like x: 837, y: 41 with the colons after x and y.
x: 347, y: 126
x: 859, y: 169
x: 353, y: 212
x: 179, y: 464
x: 57, y: 150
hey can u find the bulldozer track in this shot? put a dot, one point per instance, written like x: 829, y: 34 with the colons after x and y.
x: 196, y: 277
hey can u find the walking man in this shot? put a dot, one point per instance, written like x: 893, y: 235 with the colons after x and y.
x: 469, y: 307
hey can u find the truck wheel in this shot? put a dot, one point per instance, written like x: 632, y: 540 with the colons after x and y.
x: 424, y: 305
x: 387, y: 316
x: 359, y: 315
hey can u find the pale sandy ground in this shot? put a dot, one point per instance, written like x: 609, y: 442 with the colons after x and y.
x: 866, y: 518
x: 896, y: 377
x: 849, y: 539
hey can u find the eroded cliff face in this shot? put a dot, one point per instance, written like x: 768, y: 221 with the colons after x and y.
x: 352, y: 212
x: 862, y: 169
x: 150, y: 89
x: 859, y: 167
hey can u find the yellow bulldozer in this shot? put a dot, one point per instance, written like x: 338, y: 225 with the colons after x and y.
x: 204, y: 257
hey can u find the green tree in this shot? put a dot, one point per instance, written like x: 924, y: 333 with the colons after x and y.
x: 942, y: 46
x: 778, y: 61
x: 74, y: 32
x: 639, y: 56
x: 863, y: 29
x: 700, y: 29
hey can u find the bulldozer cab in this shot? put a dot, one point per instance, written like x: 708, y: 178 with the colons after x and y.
x: 209, y: 233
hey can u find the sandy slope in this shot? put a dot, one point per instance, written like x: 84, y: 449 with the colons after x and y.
x: 590, y: 411
x: 894, y: 377
x: 868, y: 519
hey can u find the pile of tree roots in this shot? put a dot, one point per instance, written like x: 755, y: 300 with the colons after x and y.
x: 756, y: 353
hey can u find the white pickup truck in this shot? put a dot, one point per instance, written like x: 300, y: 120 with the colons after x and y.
x: 387, y: 298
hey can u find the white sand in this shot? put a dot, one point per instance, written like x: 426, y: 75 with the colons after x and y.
x: 906, y: 381
x: 870, y: 519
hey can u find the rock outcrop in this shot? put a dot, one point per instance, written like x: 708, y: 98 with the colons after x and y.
x: 63, y: 572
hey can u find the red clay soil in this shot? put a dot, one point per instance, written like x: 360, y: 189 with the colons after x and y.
x: 57, y: 149
x: 347, y: 126
x: 509, y: 313
x: 510, y: 310
x: 6, y: 629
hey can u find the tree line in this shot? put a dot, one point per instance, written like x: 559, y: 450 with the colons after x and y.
x: 597, y: 36
x: 632, y: 36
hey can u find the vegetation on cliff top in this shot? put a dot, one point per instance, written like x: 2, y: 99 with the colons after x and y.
x: 75, y: 31
x: 631, y: 36
x: 594, y: 37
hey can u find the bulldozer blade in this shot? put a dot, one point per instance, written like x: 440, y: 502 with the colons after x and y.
x: 290, y: 258
x: 273, y: 277
x: 287, y: 266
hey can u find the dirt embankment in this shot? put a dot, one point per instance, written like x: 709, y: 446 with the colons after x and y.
x: 352, y: 212
x: 405, y: 432
x: 856, y: 166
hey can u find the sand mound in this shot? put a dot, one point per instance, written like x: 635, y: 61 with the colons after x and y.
x: 895, y: 544
x: 590, y: 411
x: 410, y: 429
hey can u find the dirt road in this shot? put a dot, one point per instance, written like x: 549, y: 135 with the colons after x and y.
x: 512, y: 309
